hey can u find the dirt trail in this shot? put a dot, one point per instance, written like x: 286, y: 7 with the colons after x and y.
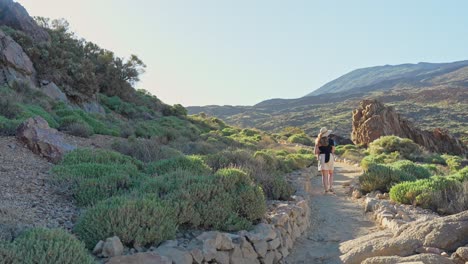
x: 335, y: 219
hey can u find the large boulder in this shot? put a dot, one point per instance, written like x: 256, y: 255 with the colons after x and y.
x: 14, y: 63
x: 14, y: 15
x: 36, y: 134
x: 373, y: 119
x: 445, y: 233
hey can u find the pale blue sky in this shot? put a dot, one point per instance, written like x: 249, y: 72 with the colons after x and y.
x: 240, y: 52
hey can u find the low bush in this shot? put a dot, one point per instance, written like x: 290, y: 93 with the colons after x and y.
x: 383, y: 158
x: 295, y: 161
x: 433, y: 158
x: 388, y: 144
x: 90, y: 183
x: 145, y: 150
x: 353, y: 154
x: 35, y: 110
x: 423, y: 192
x: 102, y: 156
x: 451, y: 200
x: 382, y: 177
x: 68, y: 116
x: 264, y: 167
x: 340, y: 149
x: 416, y: 170
x: 79, y: 129
x: 54, y: 246
x: 277, y: 188
x: 9, y: 106
x: 8, y: 127
x: 194, y: 164
x: 227, y: 200
x: 453, y: 162
x: 301, y: 139
x: 137, y: 221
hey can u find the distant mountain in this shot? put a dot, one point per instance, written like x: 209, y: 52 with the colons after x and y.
x: 390, y: 76
x: 430, y: 94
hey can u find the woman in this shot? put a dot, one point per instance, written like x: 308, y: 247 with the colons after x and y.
x: 324, y: 149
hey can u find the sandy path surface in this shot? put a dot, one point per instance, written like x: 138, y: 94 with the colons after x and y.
x: 335, y: 219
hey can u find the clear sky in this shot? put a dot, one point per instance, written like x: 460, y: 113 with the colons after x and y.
x: 240, y: 52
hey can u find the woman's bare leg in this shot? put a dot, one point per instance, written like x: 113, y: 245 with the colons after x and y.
x: 330, y: 180
x: 325, y: 180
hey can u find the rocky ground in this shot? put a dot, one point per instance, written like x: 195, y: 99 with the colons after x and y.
x: 28, y: 199
x: 335, y: 219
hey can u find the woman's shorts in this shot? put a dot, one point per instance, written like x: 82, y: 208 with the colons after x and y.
x: 326, y: 166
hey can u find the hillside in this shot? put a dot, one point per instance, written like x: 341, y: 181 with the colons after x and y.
x: 392, y: 76
x: 431, y: 95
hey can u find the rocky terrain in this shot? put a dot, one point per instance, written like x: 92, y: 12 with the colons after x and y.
x: 373, y: 120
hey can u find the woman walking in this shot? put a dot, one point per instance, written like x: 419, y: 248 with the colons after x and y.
x: 325, y: 149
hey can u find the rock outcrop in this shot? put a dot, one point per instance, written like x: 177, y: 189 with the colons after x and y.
x: 14, y: 15
x: 14, y: 63
x: 444, y: 233
x: 373, y: 119
x: 36, y: 134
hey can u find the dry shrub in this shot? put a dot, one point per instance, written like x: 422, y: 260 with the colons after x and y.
x: 451, y: 201
x: 79, y: 129
x: 146, y: 150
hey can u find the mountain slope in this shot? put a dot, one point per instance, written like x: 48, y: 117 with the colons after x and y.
x: 429, y: 94
x: 390, y: 76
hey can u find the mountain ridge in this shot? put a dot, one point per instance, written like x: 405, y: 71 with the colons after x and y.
x: 371, y: 76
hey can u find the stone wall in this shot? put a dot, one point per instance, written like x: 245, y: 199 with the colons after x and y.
x: 269, y: 242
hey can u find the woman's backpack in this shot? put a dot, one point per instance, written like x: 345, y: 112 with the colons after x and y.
x: 323, y: 142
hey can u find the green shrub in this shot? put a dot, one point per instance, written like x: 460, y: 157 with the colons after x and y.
x: 263, y: 167
x: 421, y: 192
x: 226, y: 201
x: 416, y: 170
x: 194, y: 164
x: 54, y: 246
x: 461, y: 175
x: 295, y: 161
x: 102, y: 156
x: 382, y: 177
x: 305, y: 151
x: 279, y: 188
x: 268, y: 158
x: 388, y: 144
x: 340, y: 149
x: 434, y: 158
x: 9, y: 106
x: 79, y: 129
x: 353, y: 154
x: 450, y: 200
x: 8, y: 127
x: 136, y: 221
x: 229, y: 131
x: 35, y: 110
x: 453, y: 162
x: 301, y: 139
x: 92, y: 182
x: 68, y: 117
x: 383, y: 158
x: 145, y: 150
